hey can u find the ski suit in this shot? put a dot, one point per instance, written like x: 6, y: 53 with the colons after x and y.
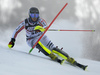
x: 31, y: 35
x: 44, y: 45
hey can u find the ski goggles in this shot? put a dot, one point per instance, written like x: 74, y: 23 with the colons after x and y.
x: 34, y: 15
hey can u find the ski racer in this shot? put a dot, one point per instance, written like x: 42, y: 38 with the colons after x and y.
x: 34, y: 26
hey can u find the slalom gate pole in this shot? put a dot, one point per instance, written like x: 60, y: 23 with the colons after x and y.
x: 71, y: 30
x: 48, y: 26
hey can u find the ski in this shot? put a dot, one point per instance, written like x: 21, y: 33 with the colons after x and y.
x: 84, y: 67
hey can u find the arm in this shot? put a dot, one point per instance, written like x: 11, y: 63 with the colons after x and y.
x: 42, y: 27
x: 43, y: 23
x: 17, y: 30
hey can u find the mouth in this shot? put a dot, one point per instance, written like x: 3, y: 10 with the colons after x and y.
x: 34, y: 19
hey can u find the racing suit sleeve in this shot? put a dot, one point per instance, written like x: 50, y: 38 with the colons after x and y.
x: 18, y: 29
x: 43, y: 23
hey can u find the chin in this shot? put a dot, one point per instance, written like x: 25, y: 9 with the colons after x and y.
x: 34, y: 19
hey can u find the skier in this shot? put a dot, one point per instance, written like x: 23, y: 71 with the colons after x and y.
x: 35, y: 26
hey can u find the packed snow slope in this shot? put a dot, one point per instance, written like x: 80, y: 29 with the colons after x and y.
x: 15, y: 62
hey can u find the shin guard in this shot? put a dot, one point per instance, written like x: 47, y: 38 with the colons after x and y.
x: 60, y: 53
x: 64, y: 55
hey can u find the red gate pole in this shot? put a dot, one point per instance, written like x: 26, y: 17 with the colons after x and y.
x: 48, y: 26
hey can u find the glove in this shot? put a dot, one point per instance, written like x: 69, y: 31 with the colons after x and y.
x: 39, y: 28
x: 11, y: 43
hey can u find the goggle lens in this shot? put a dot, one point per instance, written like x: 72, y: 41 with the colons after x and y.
x: 34, y: 15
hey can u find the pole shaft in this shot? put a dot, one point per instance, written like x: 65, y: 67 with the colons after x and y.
x: 70, y: 30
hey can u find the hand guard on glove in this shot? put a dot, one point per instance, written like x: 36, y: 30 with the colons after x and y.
x: 40, y: 28
x: 11, y: 43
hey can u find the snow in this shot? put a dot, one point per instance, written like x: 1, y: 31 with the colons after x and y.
x: 17, y: 61
x: 14, y: 62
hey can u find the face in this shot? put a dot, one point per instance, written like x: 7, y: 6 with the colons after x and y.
x: 34, y: 16
x: 34, y: 19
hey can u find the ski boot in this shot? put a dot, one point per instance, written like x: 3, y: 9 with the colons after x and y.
x: 55, y: 58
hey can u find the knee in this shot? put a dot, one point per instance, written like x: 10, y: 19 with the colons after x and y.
x: 42, y: 50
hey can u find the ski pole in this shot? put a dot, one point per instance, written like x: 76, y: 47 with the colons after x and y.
x: 70, y: 30
x: 48, y: 27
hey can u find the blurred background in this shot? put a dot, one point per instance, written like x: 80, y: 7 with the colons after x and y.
x: 79, y: 14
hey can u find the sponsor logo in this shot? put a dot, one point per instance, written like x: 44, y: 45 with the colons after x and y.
x: 30, y: 28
